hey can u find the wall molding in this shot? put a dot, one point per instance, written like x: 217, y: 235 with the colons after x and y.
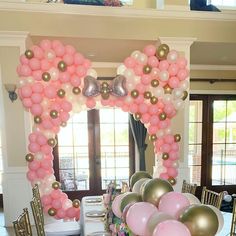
x: 213, y: 67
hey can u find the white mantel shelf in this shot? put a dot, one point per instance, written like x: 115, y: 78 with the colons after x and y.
x: 127, y: 12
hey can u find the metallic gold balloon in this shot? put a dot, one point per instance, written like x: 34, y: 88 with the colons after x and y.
x: 105, y: 85
x: 52, y: 142
x: 162, y: 51
x: 162, y: 116
x: 56, y: 185
x: 63, y: 124
x: 37, y: 119
x: 54, y: 114
x: 165, y: 156
x: 105, y: 90
x: 29, y: 157
x: 76, y: 203
x: 200, y: 220
x: 29, y: 54
x: 153, y: 100
x: 46, y: 76
x: 147, y: 69
x: 185, y: 95
x: 137, y: 176
x: 52, y: 211
x: 172, y: 180
x: 153, y: 137
x: 154, y: 83
x: 147, y: 95
x: 61, y: 93
x: 137, y: 116
x: 62, y: 66
x: 134, y: 93
x: 154, y: 189
x: 129, y: 198
x: 168, y: 89
x: 76, y: 90
x: 177, y: 137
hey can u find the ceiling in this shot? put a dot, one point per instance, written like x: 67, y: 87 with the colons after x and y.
x: 116, y: 50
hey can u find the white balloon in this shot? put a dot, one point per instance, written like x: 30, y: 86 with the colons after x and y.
x: 172, y: 56
x: 142, y: 58
x: 54, y: 72
x: 167, y: 98
x: 168, y: 130
x: 136, y: 79
x: 129, y: 74
x: 160, y: 133
x: 135, y: 54
x: 192, y: 199
x: 121, y: 69
x: 92, y: 73
x: 138, y: 184
x: 22, y: 82
x: 164, y: 75
x: 178, y: 104
x: 67, y: 204
x: 50, y: 54
x: 38, y: 156
x: 219, y: 216
x: 228, y: 198
x: 177, y: 93
x: 184, y: 85
x: 158, y: 91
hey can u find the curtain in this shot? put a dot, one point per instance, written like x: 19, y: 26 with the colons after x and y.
x: 139, y: 132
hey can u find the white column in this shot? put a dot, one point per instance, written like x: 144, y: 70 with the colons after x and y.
x: 16, y: 188
x: 180, y: 121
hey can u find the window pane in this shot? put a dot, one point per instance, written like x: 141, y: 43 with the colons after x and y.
x: 107, y: 134
x: 195, y: 111
x: 219, y: 132
x: 195, y: 154
x: 65, y: 137
x: 231, y: 133
x: 122, y: 134
x: 80, y: 132
x: 106, y: 115
x: 195, y: 133
x: 219, y: 109
x: 121, y: 117
x: 195, y: 175
x: 231, y: 111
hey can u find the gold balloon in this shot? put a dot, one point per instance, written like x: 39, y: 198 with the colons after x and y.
x: 62, y: 66
x: 153, y: 137
x: 129, y: 198
x: 52, y: 211
x: 52, y: 142
x: 76, y: 203
x: 56, y: 185
x: 153, y: 100
x: 200, y: 220
x: 165, y: 156
x: 172, y: 180
x: 29, y: 54
x: 162, y: 116
x: 137, y: 116
x: 76, y: 90
x: 177, y: 137
x: 147, y: 69
x: 154, y: 189
x: 154, y: 83
x: 105, y: 92
x: 134, y: 93
x: 37, y: 119
x: 137, y: 176
x: 29, y: 157
x: 162, y: 51
x: 168, y: 89
x: 147, y: 95
x: 185, y: 95
x: 105, y: 85
x: 46, y: 76
x: 63, y: 124
x: 54, y: 114
x: 61, y: 93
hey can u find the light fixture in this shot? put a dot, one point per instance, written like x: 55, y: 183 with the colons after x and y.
x: 11, y: 89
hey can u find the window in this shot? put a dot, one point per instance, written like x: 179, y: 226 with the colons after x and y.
x: 95, y: 147
x: 127, y: 2
x: 212, y: 140
x: 228, y: 3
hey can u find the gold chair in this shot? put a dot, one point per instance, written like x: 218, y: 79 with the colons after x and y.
x: 188, y: 188
x: 210, y: 197
x: 36, y: 195
x: 233, y: 224
x: 22, y: 226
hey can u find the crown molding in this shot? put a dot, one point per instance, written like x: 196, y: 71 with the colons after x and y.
x: 127, y: 12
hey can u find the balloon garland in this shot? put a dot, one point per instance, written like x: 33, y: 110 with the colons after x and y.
x: 56, y: 81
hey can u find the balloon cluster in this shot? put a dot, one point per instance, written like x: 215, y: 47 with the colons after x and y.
x: 153, y: 209
x: 55, y: 81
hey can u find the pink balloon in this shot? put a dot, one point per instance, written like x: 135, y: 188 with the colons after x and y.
x: 154, y: 120
x: 56, y: 203
x: 175, y: 147
x: 164, y: 176
x: 133, y: 108
x: 173, y: 155
x: 71, y: 69
x: 64, y: 77
x: 153, y: 109
x: 55, y: 194
x: 46, y: 149
x: 145, y: 118
x: 171, y: 227
x: 173, y: 69
x: 153, y: 61
x: 27, y: 102
x: 70, y: 49
x: 68, y: 59
x: 25, y: 70
x: 59, y: 50
x: 45, y: 44
x: 34, y: 165
x: 90, y: 103
x: 152, y: 129
x: 37, y: 75
x: 81, y: 71
x: 34, y: 64
x: 141, y: 88
x: 41, y: 139
x: 75, y: 80
x: 23, y: 59
x: 138, y: 70
x: 164, y: 65
x: 183, y: 74
x: 46, y: 164
x: 181, y: 62
x: 165, y: 147
x: 66, y: 106
x: 50, y: 92
x: 41, y: 173
x: 45, y: 65
x: 71, y: 212
x: 150, y: 50
x: 38, y: 52
x: 173, y: 82
x: 138, y: 215
x: 130, y: 62
x: 145, y: 79
x: 143, y: 108
x: 169, y: 108
x: 61, y: 213
x: 167, y: 163
x: 87, y: 63
x: 78, y: 59
x: 31, y: 175
x: 116, y: 205
x: 173, y: 203
x: 32, y: 137
x: 46, y: 199
x: 36, y: 98
x: 172, y: 172
x: 33, y: 147
x: 47, y: 124
x: 26, y: 91
x: 139, y: 99
x: 169, y: 139
x: 36, y: 109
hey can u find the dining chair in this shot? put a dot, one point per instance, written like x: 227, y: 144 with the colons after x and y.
x: 210, y: 197
x: 22, y: 226
x: 56, y: 228
x: 233, y: 224
x: 188, y: 188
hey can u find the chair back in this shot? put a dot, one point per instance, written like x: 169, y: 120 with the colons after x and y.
x: 36, y: 195
x: 22, y: 226
x: 38, y: 217
x: 233, y: 224
x: 188, y: 188
x: 210, y: 197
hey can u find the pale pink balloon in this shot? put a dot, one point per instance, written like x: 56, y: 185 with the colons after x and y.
x: 34, y: 165
x: 153, y: 109
x: 78, y: 59
x: 56, y: 43
x: 37, y: 75
x: 171, y: 228
x: 56, y: 203
x: 154, y: 120
x: 50, y: 92
x: 87, y: 64
x: 138, y: 70
x: 70, y: 49
x: 167, y: 163
x: 27, y: 102
x: 183, y: 74
x: 55, y: 194
x: 71, y: 69
x: 64, y: 77
x: 41, y: 173
x: 34, y: 147
x: 75, y: 80
x: 31, y: 175
x: 173, y: 69
x: 26, y: 91
x: 150, y: 50
x: 175, y: 147
x: 23, y: 59
x: 138, y: 216
x: 46, y: 164
x: 38, y: 52
x: 152, y: 129
x: 173, y: 203
x: 36, y: 109
x: 145, y: 118
x: 145, y: 79
x: 61, y: 213
x: 172, y: 172
x: 34, y: 64
x: 163, y: 124
x: 139, y: 99
x: 59, y: 50
x: 64, y: 116
x: 133, y: 108
x: 164, y: 176
x: 130, y: 62
x: 45, y: 44
x: 36, y: 98
x: 125, y: 108
x: 46, y: 199
x: 41, y: 139
x: 116, y: 205
x: 164, y: 65
x: 32, y: 137
x: 66, y: 106
x: 90, y: 103
x: 46, y: 149
x: 165, y: 147
x: 173, y: 155
x: 143, y: 108
x: 45, y: 64
x: 71, y: 212
x: 172, y: 56
x: 174, y: 82
x: 169, y: 108
x: 169, y: 138
x: 181, y: 62
x: 153, y: 61
x: 81, y: 71
x: 47, y: 124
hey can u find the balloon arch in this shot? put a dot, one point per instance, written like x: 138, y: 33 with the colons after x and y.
x: 56, y: 81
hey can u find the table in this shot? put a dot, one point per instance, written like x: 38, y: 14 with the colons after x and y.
x: 90, y: 225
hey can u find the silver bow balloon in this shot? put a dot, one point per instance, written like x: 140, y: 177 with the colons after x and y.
x: 93, y: 88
